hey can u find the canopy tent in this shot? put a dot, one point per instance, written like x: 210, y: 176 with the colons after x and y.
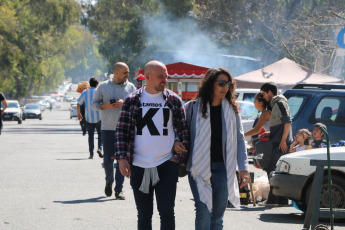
x: 285, y: 73
x: 179, y: 70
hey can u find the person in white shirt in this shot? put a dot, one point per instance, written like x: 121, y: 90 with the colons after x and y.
x: 151, y: 137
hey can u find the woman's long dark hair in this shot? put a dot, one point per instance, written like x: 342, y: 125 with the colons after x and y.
x: 205, y: 91
x: 260, y: 98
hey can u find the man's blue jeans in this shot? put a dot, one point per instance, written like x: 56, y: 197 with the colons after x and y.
x: 204, y: 220
x: 165, y: 191
x: 108, y: 138
x: 91, y: 131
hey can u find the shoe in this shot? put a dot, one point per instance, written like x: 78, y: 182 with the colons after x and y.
x: 265, y: 204
x: 108, y: 189
x: 100, y: 153
x: 119, y: 196
x: 90, y: 157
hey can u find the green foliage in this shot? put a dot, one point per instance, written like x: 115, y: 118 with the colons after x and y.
x: 41, y: 42
x: 120, y: 30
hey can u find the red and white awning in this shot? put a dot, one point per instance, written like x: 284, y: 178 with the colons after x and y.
x: 179, y: 70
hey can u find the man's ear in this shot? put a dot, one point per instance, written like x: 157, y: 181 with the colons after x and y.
x: 147, y: 76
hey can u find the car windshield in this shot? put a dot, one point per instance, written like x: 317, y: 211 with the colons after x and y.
x: 13, y: 105
x: 296, y: 102
x: 32, y: 107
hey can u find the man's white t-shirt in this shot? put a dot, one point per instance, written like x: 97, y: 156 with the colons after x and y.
x: 154, y: 131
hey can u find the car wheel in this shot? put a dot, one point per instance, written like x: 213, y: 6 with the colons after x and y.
x: 23, y: 118
x: 338, y: 192
x: 19, y: 121
x: 40, y: 118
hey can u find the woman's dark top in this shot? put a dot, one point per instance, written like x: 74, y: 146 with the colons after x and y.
x: 216, y: 134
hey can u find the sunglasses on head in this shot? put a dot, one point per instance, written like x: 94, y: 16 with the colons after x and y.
x: 223, y: 83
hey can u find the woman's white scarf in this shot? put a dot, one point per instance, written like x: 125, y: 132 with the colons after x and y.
x: 201, y: 161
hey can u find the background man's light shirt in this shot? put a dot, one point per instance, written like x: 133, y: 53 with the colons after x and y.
x: 91, y: 115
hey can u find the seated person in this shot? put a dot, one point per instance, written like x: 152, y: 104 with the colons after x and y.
x: 302, y: 141
x: 318, y: 140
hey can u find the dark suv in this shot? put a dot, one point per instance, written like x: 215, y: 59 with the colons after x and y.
x: 312, y: 103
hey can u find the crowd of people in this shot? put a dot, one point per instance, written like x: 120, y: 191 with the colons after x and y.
x: 274, y: 121
x: 149, y: 132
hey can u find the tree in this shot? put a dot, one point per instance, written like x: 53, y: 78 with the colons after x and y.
x: 120, y: 29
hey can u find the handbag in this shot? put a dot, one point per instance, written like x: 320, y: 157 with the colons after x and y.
x: 182, y: 168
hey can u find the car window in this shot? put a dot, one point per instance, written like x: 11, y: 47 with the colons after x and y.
x: 249, y: 97
x: 330, y: 110
x: 12, y: 105
x: 247, y: 110
x: 31, y: 107
x: 296, y: 102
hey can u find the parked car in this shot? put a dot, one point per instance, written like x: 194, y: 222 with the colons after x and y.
x: 293, y: 177
x: 248, y: 115
x: 312, y: 103
x: 244, y: 94
x: 69, y: 98
x: 32, y: 111
x: 73, y: 111
x: 13, y: 112
x: 248, y: 110
x: 73, y: 102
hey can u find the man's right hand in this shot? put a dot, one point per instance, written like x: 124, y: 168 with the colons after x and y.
x: 80, y: 117
x: 124, y: 167
x: 108, y: 105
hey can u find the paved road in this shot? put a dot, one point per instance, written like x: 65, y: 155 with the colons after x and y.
x: 47, y: 182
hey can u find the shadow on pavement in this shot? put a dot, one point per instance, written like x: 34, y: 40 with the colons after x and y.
x: 44, y: 131
x: 72, y: 159
x: 293, y: 218
x: 248, y: 209
x: 297, y: 218
x: 90, y: 200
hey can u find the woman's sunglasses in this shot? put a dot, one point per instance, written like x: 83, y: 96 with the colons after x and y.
x: 223, y: 83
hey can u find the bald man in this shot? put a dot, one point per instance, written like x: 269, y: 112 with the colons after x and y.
x: 151, y: 138
x: 108, y: 100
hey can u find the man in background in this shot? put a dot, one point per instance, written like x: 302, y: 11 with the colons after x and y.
x: 280, y: 134
x: 108, y: 99
x: 92, y: 117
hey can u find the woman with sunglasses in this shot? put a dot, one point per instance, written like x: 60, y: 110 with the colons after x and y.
x: 217, y: 148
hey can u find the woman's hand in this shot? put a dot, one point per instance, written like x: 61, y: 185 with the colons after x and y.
x: 243, y: 178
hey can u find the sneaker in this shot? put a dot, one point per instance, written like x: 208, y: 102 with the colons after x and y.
x: 119, y: 196
x: 100, y: 153
x: 90, y: 157
x: 108, y: 189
